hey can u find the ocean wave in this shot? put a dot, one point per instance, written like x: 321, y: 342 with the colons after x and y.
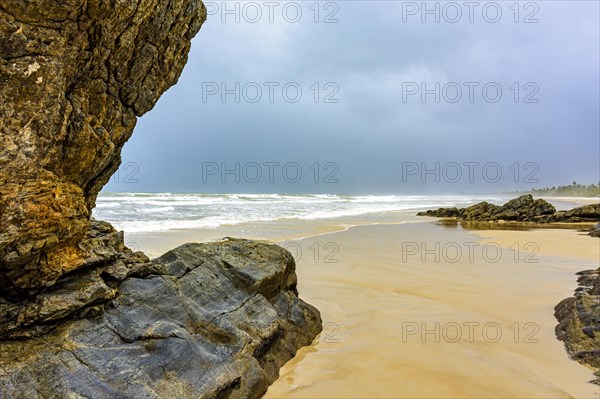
x: 157, y: 209
x: 148, y: 212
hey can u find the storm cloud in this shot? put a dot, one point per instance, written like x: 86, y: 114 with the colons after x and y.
x: 375, y: 97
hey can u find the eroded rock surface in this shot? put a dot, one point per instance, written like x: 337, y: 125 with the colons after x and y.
x: 522, y: 209
x: 74, y: 77
x: 213, y: 320
x: 79, y: 292
x: 579, y: 321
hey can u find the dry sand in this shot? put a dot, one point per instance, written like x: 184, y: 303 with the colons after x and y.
x: 468, y: 324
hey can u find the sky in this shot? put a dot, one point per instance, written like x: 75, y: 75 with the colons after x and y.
x: 377, y: 97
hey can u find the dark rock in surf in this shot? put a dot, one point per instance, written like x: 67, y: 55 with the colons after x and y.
x: 521, y: 209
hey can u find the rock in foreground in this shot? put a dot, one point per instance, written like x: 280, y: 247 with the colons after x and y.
x: 212, y: 320
x: 82, y: 316
x: 579, y: 321
x: 74, y: 77
x: 521, y: 209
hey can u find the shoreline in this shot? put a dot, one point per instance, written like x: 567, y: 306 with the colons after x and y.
x: 155, y: 243
x: 171, y: 239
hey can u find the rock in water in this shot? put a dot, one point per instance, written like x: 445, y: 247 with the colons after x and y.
x: 521, y: 209
x: 214, y: 320
x: 74, y: 77
x: 81, y: 315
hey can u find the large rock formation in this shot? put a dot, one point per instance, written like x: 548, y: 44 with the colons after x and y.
x: 521, y: 209
x: 579, y: 321
x: 80, y: 314
x: 74, y: 77
x: 211, y: 320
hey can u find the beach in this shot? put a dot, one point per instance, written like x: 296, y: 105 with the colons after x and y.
x: 421, y: 308
x: 399, y: 325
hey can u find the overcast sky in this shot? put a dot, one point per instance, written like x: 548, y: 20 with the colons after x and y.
x: 362, y: 119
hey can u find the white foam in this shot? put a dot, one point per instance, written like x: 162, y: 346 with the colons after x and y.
x: 149, y: 212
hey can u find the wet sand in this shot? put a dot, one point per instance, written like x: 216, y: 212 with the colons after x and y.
x: 157, y: 243
x: 558, y: 243
x: 471, y: 323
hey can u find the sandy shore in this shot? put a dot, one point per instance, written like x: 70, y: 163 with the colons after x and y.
x: 422, y: 310
x: 157, y: 243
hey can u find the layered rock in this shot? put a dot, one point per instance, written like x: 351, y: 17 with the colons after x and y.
x: 579, y: 321
x: 83, y: 291
x: 521, y: 209
x: 211, y: 320
x: 74, y: 77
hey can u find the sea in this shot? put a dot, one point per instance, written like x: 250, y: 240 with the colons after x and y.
x: 151, y: 212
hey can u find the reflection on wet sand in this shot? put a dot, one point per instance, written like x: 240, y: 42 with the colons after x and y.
x: 518, y: 226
